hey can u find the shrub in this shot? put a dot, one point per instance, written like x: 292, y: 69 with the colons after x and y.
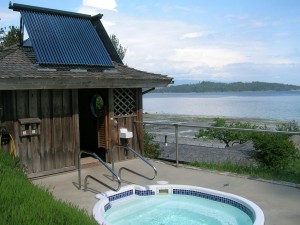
x: 274, y: 151
x: 291, y: 126
x: 151, y: 150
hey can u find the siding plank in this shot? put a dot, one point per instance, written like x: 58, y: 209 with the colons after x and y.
x: 75, y: 126
x: 57, y: 107
x: 67, y: 129
x: 24, y: 142
x: 46, y: 138
x: 33, y: 103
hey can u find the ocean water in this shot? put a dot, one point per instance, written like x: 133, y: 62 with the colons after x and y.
x: 272, y: 105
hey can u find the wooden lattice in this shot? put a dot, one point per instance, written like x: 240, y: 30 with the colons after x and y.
x: 124, y: 101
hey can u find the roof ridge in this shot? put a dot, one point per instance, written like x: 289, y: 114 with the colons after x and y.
x: 14, y: 46
x: 8, y: 50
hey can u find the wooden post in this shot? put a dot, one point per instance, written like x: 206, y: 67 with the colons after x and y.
x: 176, y: 137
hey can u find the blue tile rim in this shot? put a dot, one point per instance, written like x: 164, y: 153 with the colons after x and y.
x: 107, y: 207
x: 233, y: 203
x: 144, y: 193
x: 120, y: 195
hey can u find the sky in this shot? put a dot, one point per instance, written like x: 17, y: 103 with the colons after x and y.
x: 197, y: 40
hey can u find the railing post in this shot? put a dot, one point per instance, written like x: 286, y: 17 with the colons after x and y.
x: 112, y: 157
x: 79, y: 170
x: 176, y: 138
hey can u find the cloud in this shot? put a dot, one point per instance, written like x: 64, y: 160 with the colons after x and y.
x: 280, y: 61
x: 195, y: 51
x: 179, y: 8
x: 207, y: 56
x: 191, y: 35
x: 8, y: 17
x: 101, y: 4
x: 107, y: 23
x: 170, y: 47
x: 88, y: 10
x: 257, y: 24
x: 247, y: 72
x: 282, y: 34
x: 236, y: 17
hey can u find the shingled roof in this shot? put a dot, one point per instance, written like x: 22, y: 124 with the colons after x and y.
x: 18, y: 71
x: 23, y: 67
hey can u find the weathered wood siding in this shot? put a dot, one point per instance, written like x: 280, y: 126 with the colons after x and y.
x: 116, y: 122
x: 57, y: 145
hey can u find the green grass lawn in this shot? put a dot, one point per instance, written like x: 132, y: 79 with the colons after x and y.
x: 290, y: 174
x: 21, y: 202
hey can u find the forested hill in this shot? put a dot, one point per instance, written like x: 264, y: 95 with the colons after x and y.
x: 207, y: 86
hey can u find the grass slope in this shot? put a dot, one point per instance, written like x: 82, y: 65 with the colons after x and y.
x: 290, y: 174
x: 23, y: 203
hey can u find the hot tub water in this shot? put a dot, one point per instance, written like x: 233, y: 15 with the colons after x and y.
x: 174, y: 209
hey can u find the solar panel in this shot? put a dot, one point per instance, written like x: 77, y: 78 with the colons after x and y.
x: 64, y: 40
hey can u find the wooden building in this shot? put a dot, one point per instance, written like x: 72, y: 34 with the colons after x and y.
x: 65, y: 89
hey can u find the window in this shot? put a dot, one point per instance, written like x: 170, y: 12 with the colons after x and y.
x: 97, y: 105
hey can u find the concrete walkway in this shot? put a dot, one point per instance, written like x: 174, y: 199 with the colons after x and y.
x: 280, y: 203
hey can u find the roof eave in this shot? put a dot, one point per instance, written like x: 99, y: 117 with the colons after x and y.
x: 43, y: 83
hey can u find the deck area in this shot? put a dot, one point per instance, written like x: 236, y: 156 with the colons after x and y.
x: 280, y: 203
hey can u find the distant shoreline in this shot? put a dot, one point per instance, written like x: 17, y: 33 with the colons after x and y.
x: 207, y: 86
x: 206, y: 121
x: 158, y: 92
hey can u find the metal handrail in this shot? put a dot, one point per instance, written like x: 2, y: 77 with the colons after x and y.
x: 221, y: 128
x: 132, y: 171
x: 95, y: 179
x: 177, y: 125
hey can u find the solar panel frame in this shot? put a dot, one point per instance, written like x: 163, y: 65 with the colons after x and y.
x: 64, y: 40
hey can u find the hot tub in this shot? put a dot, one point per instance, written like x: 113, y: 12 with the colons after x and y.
x: 174, y: 204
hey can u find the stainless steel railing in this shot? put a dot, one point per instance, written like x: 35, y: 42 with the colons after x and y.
x: 115, y: 176
x: 177, y: 125
x: 129, y: 170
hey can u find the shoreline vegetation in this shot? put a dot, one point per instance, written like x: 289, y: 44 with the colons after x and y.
x: 207, y: 86
x: 187, y: 137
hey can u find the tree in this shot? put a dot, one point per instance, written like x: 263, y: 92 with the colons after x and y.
x: 120, y: 49
x: 226, y: 136
x: 10, y: 37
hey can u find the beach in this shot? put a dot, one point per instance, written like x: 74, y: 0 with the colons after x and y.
x: 187, y: 134
x: 192, y: 148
